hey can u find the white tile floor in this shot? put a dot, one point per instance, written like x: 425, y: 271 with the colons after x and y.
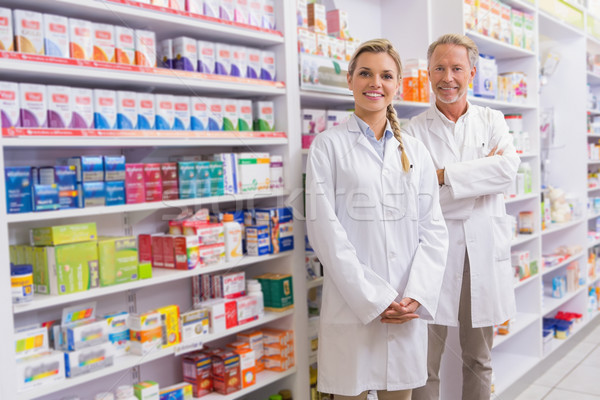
x: 575, y: 377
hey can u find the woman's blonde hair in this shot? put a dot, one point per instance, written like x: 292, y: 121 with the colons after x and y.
x: 384, y: 46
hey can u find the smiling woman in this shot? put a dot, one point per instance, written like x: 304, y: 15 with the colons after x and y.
x: 374, y: 221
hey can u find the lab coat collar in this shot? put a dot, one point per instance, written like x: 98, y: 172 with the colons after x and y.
x: 436, y: 127
x: 363, y: 141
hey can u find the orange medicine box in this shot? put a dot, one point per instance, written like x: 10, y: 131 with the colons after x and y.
x: 247, y: 366
x: 255, y: 342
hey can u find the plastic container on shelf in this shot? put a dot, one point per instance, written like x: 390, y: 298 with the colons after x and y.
x: 254, y: 288
x: 233, y: 238
x: 21, y: 282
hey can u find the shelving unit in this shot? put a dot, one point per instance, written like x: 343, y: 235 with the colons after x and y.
x: 514, y: 355
x: 165, y: 286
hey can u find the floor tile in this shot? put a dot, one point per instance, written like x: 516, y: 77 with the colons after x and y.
x: 580, y: 351
x: 584, y: 379
x: 534, y: 392
x: 558, y: 371
x: 560, y: 394
x: 593, y: 359
x: 593, y: 337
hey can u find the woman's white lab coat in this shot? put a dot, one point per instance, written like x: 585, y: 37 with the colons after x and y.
x: 473, y: 207
x: 380, y: 236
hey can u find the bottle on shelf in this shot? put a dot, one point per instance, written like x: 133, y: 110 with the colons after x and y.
x: 255, y: 289
x: 233, y: 238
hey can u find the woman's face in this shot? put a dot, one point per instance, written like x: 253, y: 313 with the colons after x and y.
x: 373, y: 83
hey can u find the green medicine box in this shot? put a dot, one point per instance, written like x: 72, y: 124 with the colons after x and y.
x: 64, y: 234
x: 76, y: 267
x: 277, y: 291
x: 118, y: 259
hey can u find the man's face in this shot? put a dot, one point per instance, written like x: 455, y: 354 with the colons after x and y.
x: 450, y: 73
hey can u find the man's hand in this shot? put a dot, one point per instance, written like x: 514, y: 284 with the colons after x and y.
x: 495, y: 152
x: 399, y: 313
x: 440, y: 176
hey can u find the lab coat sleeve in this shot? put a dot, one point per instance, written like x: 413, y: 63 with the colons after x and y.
x: 486, y: 175
x: 366, y: 293
x: 429, y: 262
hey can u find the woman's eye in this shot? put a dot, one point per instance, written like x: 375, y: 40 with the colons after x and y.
x: 363, y: 73
x: 388, y: 76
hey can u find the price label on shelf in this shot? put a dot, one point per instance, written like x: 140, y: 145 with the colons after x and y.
x: 189, y: 346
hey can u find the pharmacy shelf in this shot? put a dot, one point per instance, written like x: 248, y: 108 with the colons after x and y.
x: 527, y: 280
x: 520, y: 239
x: 314, y: 283
x: 594, y: 244
x: 319, y: 99
x: 562, y: 263
x: 593, y: 79
x: 522, y: 197
x: 557, y: 343
x: 551, y: 303
x: 504, y: 106
x: 263, y: 379
x: 527, y: 155
x: 499, y: 49
x: 168, y: 22
x: 557, y: 227
x: 203, y: 140
x: 593, y: 189
x: 33, y: 68
x: 593, y: 214
x: 522, y: 321
x: 549, y: 23
x: 132, y: 361
x: 159, y: 276
x: 520, y: 5
x: 593, y: 162
x: 95, y: 211
x: 515, y: 366
x: 593, y: 136
x: 589, y: 110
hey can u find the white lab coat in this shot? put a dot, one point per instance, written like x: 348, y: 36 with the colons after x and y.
x: 378, y: 242
x: 473, y: 207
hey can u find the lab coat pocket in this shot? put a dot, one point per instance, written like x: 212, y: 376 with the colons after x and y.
x: 501, y: 229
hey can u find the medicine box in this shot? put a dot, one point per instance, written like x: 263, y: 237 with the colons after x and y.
x: 45, y: 198
x: 317, y: 19
x: 280, y: 222
x: 114, y: 168
x: 40, y: 369
x: 64, y: 234
x: 34, y: 105
x: 152, y: 182
x: 85, y: 334
x: 198, y: 114
x: 118, y: 260
x: 206, y: 56
x: 253, y: 63
x: 197, y: 370
x: 181, y: 391
x: 127, y: 109
x: 56, y: 35
x: 124, y: 45
x: 185, y: 53
x: 76, y: 267
x: 105, y: 109
x: 135, y: 188
x: 118, y: 332
x: 165, y: 112
x: 146, y: 113
x: 211, y: 255
x: 223, y: 59
x: 59, y: 106
x: 104, y: 42
x: 186, y: 252
x: 194, y: 324
x: 6, y: 30
x: 145, y: 332
x: 19, y: 194
x: 267, y: 66
x: 182, y: 117
x: 239, y: 61
x: 29, y: 31
x: 254, y: 172
x: 87, y: 360
x: 145, y: 48
x: 277, y: 291
x: 257, y: 240
x: 146, y: 390
x: 169, y: 181
x: 94, y: 194
x: 81, y: 39
x: 226, y: 364
x: 31, y: 341
x: 9, y: 103
x: 170, y: 325
x: 83, y: 108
